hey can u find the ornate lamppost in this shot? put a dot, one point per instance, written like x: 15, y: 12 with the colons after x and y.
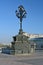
x: 21, y: 13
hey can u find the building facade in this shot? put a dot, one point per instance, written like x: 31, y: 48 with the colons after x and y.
x: 36, y: 38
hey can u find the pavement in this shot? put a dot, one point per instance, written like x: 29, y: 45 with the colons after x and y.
x: 31, y: 59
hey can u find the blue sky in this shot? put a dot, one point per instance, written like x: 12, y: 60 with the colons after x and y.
x: 9, y: 23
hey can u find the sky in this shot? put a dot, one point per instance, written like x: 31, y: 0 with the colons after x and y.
x: 9, y: 23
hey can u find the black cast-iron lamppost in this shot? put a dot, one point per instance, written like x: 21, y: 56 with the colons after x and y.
x: 21, y: 13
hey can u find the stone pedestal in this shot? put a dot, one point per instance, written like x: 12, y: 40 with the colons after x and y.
x: 21, y: 44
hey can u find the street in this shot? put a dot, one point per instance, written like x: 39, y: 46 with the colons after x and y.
x: 32, y: 59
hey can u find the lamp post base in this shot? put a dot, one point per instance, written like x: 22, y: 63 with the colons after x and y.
x: 20, y: 31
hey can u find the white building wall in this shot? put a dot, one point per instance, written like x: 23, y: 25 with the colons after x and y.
x: 33, y: 35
